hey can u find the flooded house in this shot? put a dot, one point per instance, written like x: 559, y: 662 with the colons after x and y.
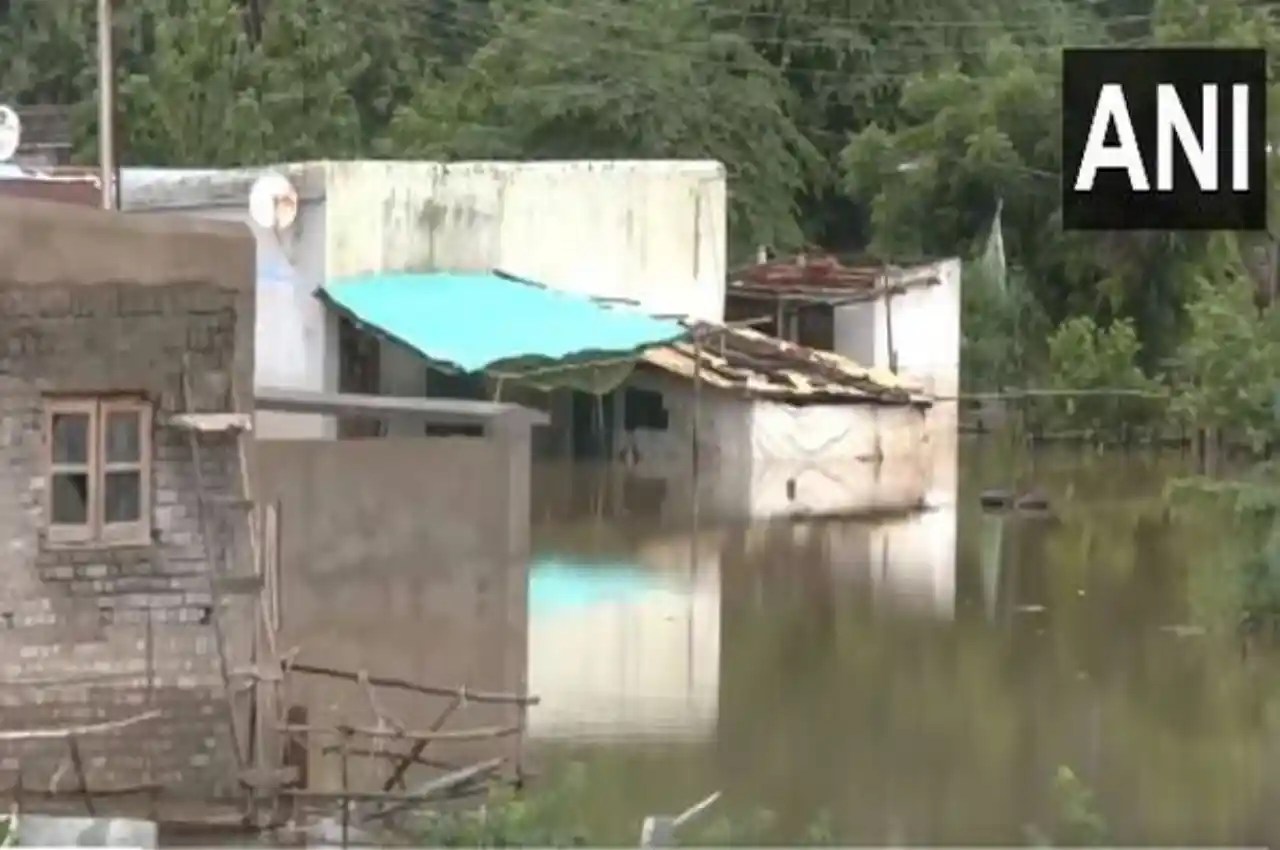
x: 121, y: 339
x: 647, y: 232
x: 780, y: 429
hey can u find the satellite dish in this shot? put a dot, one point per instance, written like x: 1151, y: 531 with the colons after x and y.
x: 273, y: 202
x: 10, y: 132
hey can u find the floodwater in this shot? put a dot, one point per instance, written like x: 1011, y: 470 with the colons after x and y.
x: 1074, y: 677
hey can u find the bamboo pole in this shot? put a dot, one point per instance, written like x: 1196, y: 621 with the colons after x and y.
x: 78, y: 763
x: 346, y: 798
x: 390, y: 682
x: 478, y: 734
x: 69, y: 731
x: 397, y: 775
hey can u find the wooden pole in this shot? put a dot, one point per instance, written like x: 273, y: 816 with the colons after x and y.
x: 697, y: 401
x: 397, y: 775
x: 78, y: 763
x: 106, y: 105
x: 346, y: 801
x: 401, y: 684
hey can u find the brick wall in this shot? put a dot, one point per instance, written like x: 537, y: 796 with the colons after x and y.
x: 105, y: 610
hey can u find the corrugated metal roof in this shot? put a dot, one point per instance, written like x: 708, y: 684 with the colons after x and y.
x: 821, y: 279
x: 476, y: 321
x: 750, y: 363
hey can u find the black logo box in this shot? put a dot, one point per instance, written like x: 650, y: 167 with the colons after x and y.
x: 1112, y: 204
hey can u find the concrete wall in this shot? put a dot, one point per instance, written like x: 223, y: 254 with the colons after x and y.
x: 764, y: 459
x: 653, y: 232
x: 407, y: 558
x: 92, y: 303
x: 926, y: 329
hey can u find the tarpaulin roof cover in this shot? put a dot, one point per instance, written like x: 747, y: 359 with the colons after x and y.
x: 474, y: 321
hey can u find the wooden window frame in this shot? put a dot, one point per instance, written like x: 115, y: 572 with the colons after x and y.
x: 95, y: 532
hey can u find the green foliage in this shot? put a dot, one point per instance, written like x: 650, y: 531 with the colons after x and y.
x: 1079, y: 823
x: 1253, y: 524
x: 1083, y: 356
x: 1229, y: 364
x: 1003, y: 333
x: 613, y: 79
x: 547, y: 818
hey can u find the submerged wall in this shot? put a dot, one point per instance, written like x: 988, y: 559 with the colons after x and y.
x: 404, y: 558
x: 763, y: 458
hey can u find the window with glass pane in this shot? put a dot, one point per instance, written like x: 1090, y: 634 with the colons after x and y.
x: 70, y: 484
x: 124, y: 443
x: 99, y: 471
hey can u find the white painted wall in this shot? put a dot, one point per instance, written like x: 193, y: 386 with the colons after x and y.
x: 650, y: 231
x: 926, y: 329
x: 296, y: 337
x: 767, y: 459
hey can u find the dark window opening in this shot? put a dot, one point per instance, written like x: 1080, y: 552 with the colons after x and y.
x: 359, y: 365
x: 441, y: 384
x: 645, y: 409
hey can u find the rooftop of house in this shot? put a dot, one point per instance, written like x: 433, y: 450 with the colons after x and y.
x: 751, y: 364
x: 823, y: 278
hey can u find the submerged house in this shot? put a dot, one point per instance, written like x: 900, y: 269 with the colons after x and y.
x: 787, y: 429
x: 905, y: 319
x: 647, y: 232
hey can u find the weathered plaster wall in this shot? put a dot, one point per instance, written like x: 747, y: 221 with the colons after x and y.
x: 653, y: 232
x: 773, y: 459
x: 94, y: 302
x: 407, y: 558
x: 926, y: 329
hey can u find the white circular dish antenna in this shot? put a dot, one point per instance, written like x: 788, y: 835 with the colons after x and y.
x: 10, y: 132
x: 273, y: 202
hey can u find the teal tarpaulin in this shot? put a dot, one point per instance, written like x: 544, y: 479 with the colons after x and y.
x: 475, y: 321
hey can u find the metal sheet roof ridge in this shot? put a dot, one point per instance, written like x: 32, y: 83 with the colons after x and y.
x: 625, y: 333
x: 850, y: 380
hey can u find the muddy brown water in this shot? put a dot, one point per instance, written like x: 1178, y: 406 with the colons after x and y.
x: 886, y: 680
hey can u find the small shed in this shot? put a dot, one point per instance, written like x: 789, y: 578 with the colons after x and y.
x: 791, y: 429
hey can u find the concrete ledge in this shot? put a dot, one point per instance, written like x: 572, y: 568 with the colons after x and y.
x: 53, y: 244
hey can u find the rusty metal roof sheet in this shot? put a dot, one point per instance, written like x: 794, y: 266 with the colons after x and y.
x: 819, y: 278
x: 750, y: 363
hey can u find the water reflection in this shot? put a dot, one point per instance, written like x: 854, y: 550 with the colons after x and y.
x: 624, y: 650
x: 924, y: 677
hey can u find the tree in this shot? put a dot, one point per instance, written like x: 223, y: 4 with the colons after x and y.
x: 623, y: 79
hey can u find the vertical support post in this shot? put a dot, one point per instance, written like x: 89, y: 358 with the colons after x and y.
x: 106, y: 105
x: 697, y: 400
x: 78, y: 763
x: 346, y: 800
x: 153, y: 796
x: 888, y: 331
